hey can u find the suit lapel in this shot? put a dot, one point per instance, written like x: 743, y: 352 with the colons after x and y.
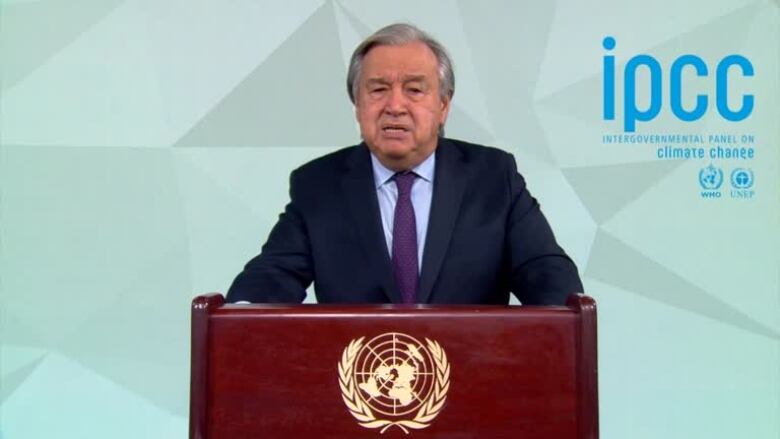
x: 448, y: 187
x: 359, y: 192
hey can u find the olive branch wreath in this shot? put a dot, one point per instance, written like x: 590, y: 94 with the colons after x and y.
x: 360, y: 410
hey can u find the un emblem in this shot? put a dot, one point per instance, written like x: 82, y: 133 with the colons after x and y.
x: 394, y: 380
x: 711, y: 178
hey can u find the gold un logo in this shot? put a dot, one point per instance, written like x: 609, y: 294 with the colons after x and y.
x: 393, y: 379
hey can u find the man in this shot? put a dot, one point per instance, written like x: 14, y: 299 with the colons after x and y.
x: 408, y: 216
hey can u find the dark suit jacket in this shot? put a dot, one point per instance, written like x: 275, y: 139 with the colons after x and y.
x: 486, y: 237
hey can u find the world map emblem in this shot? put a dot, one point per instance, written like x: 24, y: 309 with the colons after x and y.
x: 710, y: 178
x: 394, y: 380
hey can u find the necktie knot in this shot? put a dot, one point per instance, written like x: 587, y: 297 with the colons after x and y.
x: 404, y: 182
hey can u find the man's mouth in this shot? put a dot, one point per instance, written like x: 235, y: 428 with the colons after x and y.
x: 395, y: 129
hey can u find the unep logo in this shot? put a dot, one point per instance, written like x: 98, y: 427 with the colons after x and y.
x: 742, y: 181
x: 741, y: 178
x: 632, y: 114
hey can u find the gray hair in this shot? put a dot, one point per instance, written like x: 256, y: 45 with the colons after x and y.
x: 396, y: 35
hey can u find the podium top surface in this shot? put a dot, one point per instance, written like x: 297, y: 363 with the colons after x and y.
x: 215, y: 305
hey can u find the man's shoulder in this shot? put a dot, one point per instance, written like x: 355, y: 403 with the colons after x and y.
x: 331, y: 163
x: 478, y: 154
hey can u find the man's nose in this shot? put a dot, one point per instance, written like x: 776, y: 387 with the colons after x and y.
x: 396, y: 102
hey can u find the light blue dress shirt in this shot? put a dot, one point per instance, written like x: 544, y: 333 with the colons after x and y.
x: 422, y: 192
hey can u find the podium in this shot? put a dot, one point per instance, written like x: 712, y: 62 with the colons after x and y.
x: 371, y: 371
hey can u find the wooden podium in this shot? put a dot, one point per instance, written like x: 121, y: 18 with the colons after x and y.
x: 327, y: 371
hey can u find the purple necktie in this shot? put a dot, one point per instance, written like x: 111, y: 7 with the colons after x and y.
x: 405, y: 239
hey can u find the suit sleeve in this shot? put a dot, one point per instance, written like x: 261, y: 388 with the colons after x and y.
x: 541, y: 272
x: 283, y: 270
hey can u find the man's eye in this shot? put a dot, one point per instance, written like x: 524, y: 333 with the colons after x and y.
x: 415, y: 90
x: 378, y: 89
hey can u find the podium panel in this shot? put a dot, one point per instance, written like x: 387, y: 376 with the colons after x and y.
x: 322, y: 371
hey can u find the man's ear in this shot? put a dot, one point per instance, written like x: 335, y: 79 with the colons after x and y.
x: 357, y: 119
x: 445, y: 109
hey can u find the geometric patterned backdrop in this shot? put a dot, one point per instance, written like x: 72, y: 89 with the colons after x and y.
x: 145, y: 147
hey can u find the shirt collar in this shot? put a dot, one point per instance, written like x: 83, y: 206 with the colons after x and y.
x: 382, y: 175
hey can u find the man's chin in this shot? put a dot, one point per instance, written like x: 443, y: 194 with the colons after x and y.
x: 394, y: 148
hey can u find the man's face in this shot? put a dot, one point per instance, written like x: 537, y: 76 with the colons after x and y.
x: 398, y: 105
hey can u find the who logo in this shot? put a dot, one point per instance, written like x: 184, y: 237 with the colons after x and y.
x: 710, y: 180
x: 727, y: 70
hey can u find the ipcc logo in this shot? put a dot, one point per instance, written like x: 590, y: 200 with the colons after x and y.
x: 632, y: 114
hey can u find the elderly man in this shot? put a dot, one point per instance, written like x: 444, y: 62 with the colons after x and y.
x: 408, y: 216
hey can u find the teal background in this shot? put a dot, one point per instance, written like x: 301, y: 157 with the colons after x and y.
x: 145, y: 147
